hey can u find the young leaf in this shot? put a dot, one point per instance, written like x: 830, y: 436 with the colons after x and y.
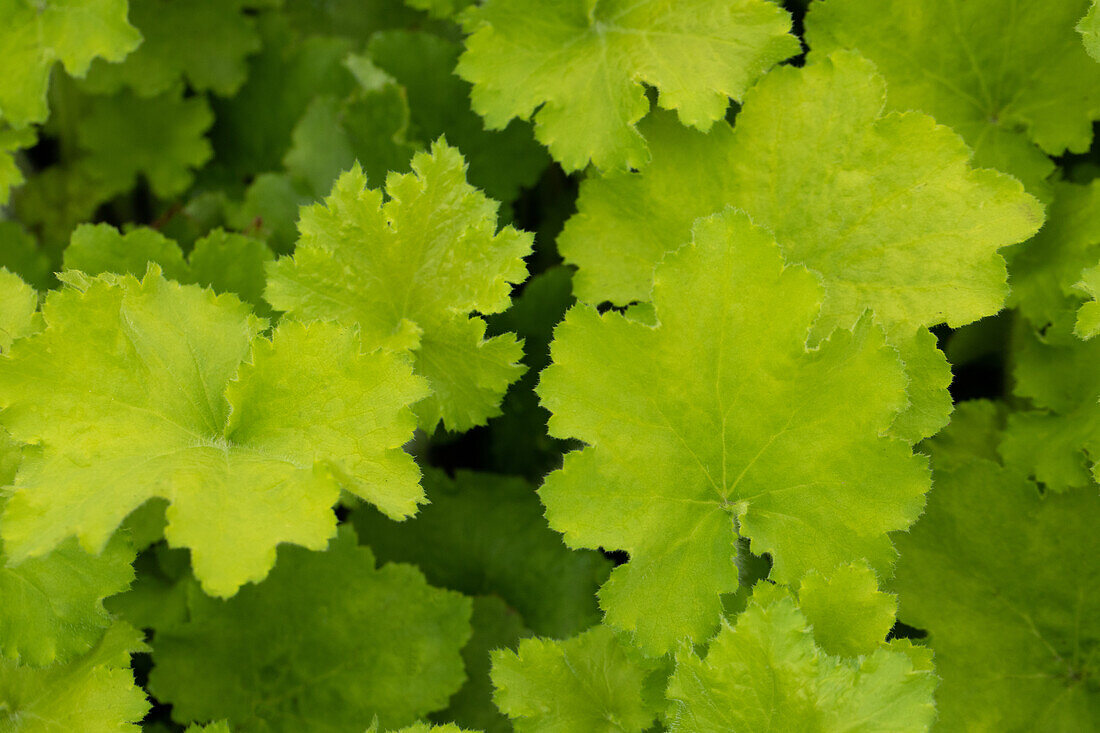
x: 326, y: 643
x: 582, y: 64
x: 1014, y: 81
x: 849, y: 614
x: 592, y: 682
x: 132, y: 380
x: 410, y: 268
x: 33, y: 36
x: 767, y: 674
x: 95, y: 693
x: 760, y: 436
x: 985, y: 573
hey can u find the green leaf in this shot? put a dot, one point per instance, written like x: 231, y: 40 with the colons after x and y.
x: 1089, y: 28
x: 34, y: 35
x: 582, y: 64
x: 1046, y: 269
x: 232, y: 263
x: 440, y: 8
x: 93, y: 694
x: 886, y: 208
x: 496, y: 626
x: 849, y: 614
x: 11, y: 142
x: 53, y: 605
x: 485, y: 534
x: 760, y: 437
x: 20, y: 254
x: 324, y: 644
x: 99, y: 248
x: 409, y: 268
x: 1088, y: 315
x: 974, y: 432
x: 1005, y: 580
x: 18, y: 309
x: 767, y: 674
x: 501, y: 161
x: 1057, y: 442
x: 161, y: 138
x: 202, y: 41
x: 1014, y: 81
x: 133, y: 379
x: 592, y: 682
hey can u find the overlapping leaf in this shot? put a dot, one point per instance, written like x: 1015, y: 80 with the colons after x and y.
x: 409, y: 267
x: 766, y: 673
x: 1004, y: 579
x: 760, y: 437
x: 326, y: 643
x: 582, y: 63
x: 1013, y: 80
x: 144, y: 380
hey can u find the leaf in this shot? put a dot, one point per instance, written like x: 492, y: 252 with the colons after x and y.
x: 592, y: 682
x: 18, y: 309
x: 886, y: 208
x: 760, y: 437
x: 766, y: 673
x: 1088, y: 315
x: 202, y: 41
x: 582, y: 63
x: 409, y: 267
x: 849, y: 614
x: 495, y: 626
x: 35, y: 35
x: 1089, y: 28
x: 93, y: 694
x: 99, y: 248
x: 985, y: 572
x: 1045, y: 271
x: 485, y: 534
x: 1057, y: 442
x: 232, y: 263
x: 20, y: 254
x: 161, y: 138
x: 501, y: 161
x: 133, y: 379
x: 1014, y: 82
x: 11, y: 142
x: 324, y: 644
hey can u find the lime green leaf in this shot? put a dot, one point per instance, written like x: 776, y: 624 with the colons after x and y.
x: 485, y: 534
x: 93, y: 694
x: 984, y: 572
x: 766, y: 674
x: 53, y: 605
x: 18, y: 309
x: 1058, y: 442
x: 202, y: 41
x: 132, y: 379
x: 161, y: 138
x: 760, y: 437
x: 1014, y: 82
x: 365, y: 642
x: 1089, y: 28
x: 849, y: 614
x: 496, y: 626
x: 1046, y: 269
x: 409, y: 268
x: 592, y: 682
x: 99, y: 248
x: 11, y: 141
x: 502, y: 161
x: 1088, y: 315
x: 886, y: 208
x: 34, y: 35
x: 582, y: 64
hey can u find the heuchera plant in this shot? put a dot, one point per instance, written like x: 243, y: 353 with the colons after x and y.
x: 556, y: 366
